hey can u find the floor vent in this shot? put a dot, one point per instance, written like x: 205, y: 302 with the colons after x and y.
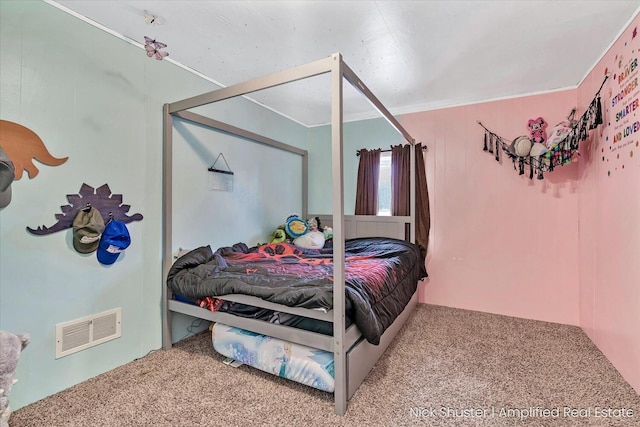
x: 88, y: 331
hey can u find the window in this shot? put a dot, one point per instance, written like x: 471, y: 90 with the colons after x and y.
x: 384, y: 185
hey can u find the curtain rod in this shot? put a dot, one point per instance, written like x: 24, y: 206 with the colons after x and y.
x: 424, y: 148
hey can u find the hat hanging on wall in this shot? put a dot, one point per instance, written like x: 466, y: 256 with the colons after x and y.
x: 109, y: 205
x: 114, y: 240
x: 7, y: 175
x: 88, y: 226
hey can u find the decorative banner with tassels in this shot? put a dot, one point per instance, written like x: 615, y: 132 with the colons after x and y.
x: 559, y: 154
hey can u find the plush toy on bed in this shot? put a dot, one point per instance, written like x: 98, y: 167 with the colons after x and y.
x: 313, y: 238
x: 295, y: 226
x: 328, y: 232
x: 10, y: 348
x: 278, y: 235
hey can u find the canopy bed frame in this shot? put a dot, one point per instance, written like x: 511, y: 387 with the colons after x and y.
x: 353, y: 356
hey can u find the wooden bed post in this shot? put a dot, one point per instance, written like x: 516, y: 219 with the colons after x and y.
x: 167, y: 173
x: 305, y: 184
x: 339, y: 351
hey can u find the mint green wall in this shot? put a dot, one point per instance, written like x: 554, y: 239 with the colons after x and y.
x: 370, y: 134
x: 98, y: 100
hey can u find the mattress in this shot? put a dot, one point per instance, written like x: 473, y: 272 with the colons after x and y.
x: 294, y: 362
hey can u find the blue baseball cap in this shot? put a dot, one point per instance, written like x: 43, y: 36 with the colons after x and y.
x: 115, y: 239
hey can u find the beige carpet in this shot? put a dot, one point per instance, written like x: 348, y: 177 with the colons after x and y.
x: 447, y: 367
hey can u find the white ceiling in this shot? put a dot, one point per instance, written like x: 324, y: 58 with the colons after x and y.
x: 414, y: 55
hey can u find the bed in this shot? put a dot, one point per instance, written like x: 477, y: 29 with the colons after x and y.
x: 381, y: 276
x: 355, y: 349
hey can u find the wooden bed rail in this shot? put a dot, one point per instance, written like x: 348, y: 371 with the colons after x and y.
x: 397, y: 227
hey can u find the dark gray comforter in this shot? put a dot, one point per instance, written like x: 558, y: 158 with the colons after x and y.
x: 381, y: 276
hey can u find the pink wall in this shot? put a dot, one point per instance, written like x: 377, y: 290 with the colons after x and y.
x: 564, y: 249
x: 500, y: 243
x: 609, y: 200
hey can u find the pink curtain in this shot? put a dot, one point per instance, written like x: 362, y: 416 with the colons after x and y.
x: 367, y: 184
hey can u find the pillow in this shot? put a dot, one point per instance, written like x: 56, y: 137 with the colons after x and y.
x: 311, y: 240
x: 558, y: 133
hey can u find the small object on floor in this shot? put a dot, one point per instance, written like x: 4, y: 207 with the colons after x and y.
x: 233, y: 363
x: 11, y: 347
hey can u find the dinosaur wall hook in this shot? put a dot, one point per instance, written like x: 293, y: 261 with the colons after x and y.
x: 109, y: 205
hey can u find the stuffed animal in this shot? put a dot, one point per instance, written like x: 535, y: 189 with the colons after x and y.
x: 314, y: 224
x: 537, y: 130
x: 10, y: 348
x: 278, y: 235
x: 295, y: 226
x: 328, y: 232
x: 557, y: 134
x: 314, y: 238
x: 560, y: 131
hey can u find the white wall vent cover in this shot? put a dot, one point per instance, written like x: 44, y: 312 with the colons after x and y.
x: 88, y: 331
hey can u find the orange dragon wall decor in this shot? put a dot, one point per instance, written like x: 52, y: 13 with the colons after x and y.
x: 22, y: 145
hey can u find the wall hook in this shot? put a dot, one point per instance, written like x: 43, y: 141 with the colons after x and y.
x: 109, y: 205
